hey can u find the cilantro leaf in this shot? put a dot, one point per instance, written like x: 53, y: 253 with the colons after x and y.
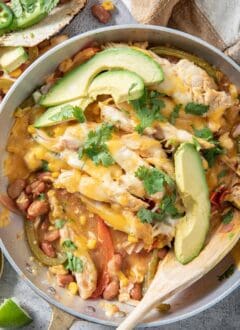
x: 69, y: 244
x: 59, y: 223
x: 227, y: 273
x: 29, y: 5
x: 17, y: 8
x: 42, y: 197
x: 69, y: 112
x: 45, y: 167
x: 74, y: 264
x: 204, y: 133
x: 153, y: 179
x: 147, y: 216
x: 175, y: 113
x: 148, y: 109
x: 95, y: 147
x: 49, y: 5
x: 227, y: 217
x: 196, y: 109
x: 196, y: 144
x: 168, y: 208
x: 211, y: 154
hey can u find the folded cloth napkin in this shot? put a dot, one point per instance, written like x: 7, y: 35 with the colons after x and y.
x: 216, y: 21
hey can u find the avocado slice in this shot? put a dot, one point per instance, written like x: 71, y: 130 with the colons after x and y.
x: 12, y: 58
x: 47, y: 118
x: 192, y: 229
x: 123, y: 85
x: 75, y: 84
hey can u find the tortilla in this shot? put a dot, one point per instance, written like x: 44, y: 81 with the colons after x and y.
x: 52, y: 24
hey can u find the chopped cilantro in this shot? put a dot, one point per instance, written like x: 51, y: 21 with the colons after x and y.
x: 175, y: 113
x: 227, y: 273
x: 196, y: 109
x: 227, y: 217
x: 222, y: 174
x: 45, y: 167
x: 59, y: 223
x: 69, y: 112
x: 95, y: 147
x: 148, y: 109
x: 147, y: 216
x: 69, y: 244
x: 74, y: 264
x: 168, y: 208
x: 153, y: 179
x: 41, y: 197
x: 204, y: 133
x: 212, y: 153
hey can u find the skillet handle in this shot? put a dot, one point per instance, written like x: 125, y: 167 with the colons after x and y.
x: 60, y: 320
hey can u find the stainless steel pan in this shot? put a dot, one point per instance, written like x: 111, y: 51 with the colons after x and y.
x: 205, y: 293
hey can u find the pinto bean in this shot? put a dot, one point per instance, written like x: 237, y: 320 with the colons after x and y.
x: 23, y: 202
x: 15, y: 188
x: 114, y: 264
x: 48, y: 249
x: 136, y: 292
x: 101, y: 14
x: 45, y: 177
x: 37, y: 208
x: 36, y: 188
x: 111, y: 290
x: 64, y: 280
x: 51, y: 236
x: 162, y: 253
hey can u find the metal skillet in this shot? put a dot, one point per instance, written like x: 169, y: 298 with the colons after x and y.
x: 208, y: 290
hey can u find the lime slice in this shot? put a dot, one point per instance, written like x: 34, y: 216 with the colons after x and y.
x: 12, y: 315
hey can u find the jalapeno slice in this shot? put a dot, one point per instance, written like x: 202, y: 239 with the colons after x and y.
x: 6, y: 16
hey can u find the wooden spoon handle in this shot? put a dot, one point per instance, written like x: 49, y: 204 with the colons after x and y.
x: 146, y: 305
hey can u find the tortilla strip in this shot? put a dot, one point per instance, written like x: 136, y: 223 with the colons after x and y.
x: 52, y: 24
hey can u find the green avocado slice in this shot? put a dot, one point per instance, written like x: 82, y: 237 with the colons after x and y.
x: 51, y: 116
x: 75, y: 84
x: 123, y: 85
x: 192, y: 229
x: 12, y: 58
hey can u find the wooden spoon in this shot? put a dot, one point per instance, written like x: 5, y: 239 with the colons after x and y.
x: 173, y: 277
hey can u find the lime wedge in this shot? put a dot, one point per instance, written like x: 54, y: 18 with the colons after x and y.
x: 12, y: 315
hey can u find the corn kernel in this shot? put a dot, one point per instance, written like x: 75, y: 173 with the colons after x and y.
x: 233, y: 91
x: 108, y: 5
x: 91, y: 244
x: 58, y: 270
x: 83, y: 220
x: 123, y: 279
x: 55, y: 174
x: 31, y: 129
x: 132, y: 239
x: 16, y: 73
x: 73, y: 288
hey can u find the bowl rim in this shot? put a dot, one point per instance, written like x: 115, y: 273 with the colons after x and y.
x: 37, y: 290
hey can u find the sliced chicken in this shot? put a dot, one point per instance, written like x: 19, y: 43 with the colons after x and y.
x: 186, y: 82
x: 117, y: 118
x: 87, y: 279
x: 150, y: 149
x: 107, y: 191
x: 170, y: 132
